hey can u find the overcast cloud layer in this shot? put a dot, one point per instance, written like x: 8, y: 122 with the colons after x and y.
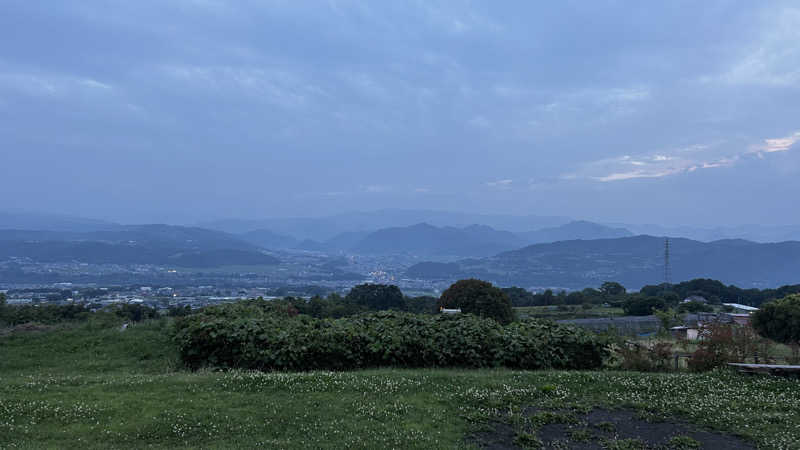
x: 184, y: 110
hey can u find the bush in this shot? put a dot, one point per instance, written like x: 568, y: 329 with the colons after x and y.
x: 377, y: 296
x: 479, y: 298
x: 779, y: 320
x: 642, y: 306
x: 644, y: 358
x: 250, y: 337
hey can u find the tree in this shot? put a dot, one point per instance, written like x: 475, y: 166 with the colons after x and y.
x: 611, y: 289
x: 779, y: 320
x: 480, y: 298
x: 669, y: 318
x: 638, y: 305
x: 2, y: 305
x: 377, y: 296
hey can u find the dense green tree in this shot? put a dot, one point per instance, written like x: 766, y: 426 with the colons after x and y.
x: 639, y: 305
x: 611, y: 289
x: 424, y: 304
x: 377, y: 296
x: 779, y: 320
x: 479, y: 298
x: 520, y: 296
x: 695, y: 307
x: 2, y: 306
x: 669, y: 318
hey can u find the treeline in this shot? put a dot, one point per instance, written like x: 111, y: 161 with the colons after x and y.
x: 51, y: 314
x: 715, y: 292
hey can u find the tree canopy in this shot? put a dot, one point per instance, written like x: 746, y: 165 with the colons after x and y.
x: 377, y: 296
x: 779, y: 320
x: 642, y: 306
x: 480, y: 298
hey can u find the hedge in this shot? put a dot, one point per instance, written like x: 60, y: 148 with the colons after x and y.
x: 249, y: 337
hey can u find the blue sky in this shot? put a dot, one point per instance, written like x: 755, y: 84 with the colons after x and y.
x: 186, y: 110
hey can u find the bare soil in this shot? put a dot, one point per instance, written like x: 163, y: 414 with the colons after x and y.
x: 603, y: 429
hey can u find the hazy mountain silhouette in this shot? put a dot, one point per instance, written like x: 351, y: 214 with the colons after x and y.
x: 425, y: 239
x: 633, y: 261
x: 133, y: 244
x: 580, y: 229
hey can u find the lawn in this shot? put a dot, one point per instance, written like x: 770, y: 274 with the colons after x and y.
x: 92, y: 386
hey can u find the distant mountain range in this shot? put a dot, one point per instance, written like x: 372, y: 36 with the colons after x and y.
x: 427, y: 240
x: 51, y: 222
x: 569, y: 254
x: 580, y: 229
x: 424, y: 239
x: 632, y: 261
x: 322, y: 229
x: 133, y: 244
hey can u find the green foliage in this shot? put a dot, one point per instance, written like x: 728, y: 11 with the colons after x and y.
x: 611, y: 289
x: 656, y: 357
x: 779, y: 320
x: 377, y: 297
x: 480, y: 298
x: 2, y: 307
x: 683, y: 442
x: 724, y: 343
x: 520, y: 296
x: 45, y: 314
x: 642, y: 306
x: 695, y: 307
x: 249, y: 336
x: 669, y: 318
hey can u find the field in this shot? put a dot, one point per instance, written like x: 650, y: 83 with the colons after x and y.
x: 93, y: 386
x: 567, y: 312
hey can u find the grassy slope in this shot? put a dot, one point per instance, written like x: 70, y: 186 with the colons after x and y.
x: 92, y: 386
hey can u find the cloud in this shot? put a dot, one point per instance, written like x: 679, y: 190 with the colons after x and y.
x: 375, y: 188
x: 777, y: 144
x: 677, y: 161
x: 50, y: 85
x: 771, y: 58
x: 657, y: 165
x: 504, y: 184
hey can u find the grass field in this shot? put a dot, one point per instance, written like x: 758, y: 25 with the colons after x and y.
x: 92, y: 386
x: 567, y: 312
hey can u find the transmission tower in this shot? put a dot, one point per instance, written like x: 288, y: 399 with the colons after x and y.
x: 667, y: 267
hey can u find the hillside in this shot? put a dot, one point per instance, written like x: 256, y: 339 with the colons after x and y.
x: 634, y: 262
x: 580, y: 229
x: 428, y: 240
x: 54, y: 222
x: 137, y: 244
x: 91, y: 386
x: 268, y: 239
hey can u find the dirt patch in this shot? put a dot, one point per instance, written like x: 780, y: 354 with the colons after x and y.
x: 601, y: 429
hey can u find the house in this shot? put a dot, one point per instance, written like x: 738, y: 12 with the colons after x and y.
x: 682, y: 332
x: 740, y: 319
x: 695, y: 298
x: 449, y: 311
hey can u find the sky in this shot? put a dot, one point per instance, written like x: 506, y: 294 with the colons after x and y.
x: 178, y: 111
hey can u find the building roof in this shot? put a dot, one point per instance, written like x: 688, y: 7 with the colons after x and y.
x: 740, y: 306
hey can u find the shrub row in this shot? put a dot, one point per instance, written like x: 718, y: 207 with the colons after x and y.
x: 249, y: 337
